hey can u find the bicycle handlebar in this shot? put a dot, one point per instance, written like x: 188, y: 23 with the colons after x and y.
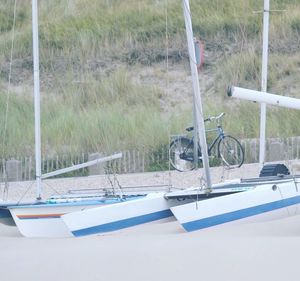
x: 216, y: 117
x: 207, y: 120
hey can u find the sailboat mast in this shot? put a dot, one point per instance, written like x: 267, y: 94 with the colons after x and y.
x: 37, y: 105
x: 199, y: 122
x: 264, y: 77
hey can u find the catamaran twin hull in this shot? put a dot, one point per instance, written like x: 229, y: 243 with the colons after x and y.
x: 84, y: 218
x: 254, y: 200
x: 153, y: 207
x: 273, y: 200
x: 44, y: 219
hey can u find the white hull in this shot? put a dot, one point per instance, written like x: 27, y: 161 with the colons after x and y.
x: 151, y: 208
x: 5, y: 215
x: 44, y: 220
x: 41, y: 221
x: 266, y: 202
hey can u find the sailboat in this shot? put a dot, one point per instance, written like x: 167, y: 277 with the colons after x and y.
x: 153, y: 207
x: 271, y: 196
x: 42, y: 218
x: 267, y: 198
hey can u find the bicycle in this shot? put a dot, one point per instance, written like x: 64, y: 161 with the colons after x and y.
x: 229, y: 149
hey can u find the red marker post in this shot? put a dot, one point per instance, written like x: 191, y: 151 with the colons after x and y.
x: 199, y: 53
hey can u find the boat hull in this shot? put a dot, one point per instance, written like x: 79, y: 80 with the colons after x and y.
x: 153, y: 207
x: 44, y: 220
x: 267, y: 202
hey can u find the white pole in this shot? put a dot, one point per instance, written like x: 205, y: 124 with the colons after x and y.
x: 263, y: 97
x: 264, y: 77
x: 82, y: 165
x: 37, y: 111
x: 196, y: 89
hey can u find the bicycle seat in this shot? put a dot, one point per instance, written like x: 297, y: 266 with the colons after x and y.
x: 188, y: 129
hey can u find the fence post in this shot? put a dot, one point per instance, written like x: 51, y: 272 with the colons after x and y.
x: 13, y: 170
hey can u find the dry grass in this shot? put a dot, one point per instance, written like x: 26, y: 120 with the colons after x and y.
x: 92, y: 55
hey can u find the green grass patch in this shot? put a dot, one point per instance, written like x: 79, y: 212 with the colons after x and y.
x: 90, y: 101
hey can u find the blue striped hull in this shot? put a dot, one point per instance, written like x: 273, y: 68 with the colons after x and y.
x: 240, y: 214
x: 113, y: 226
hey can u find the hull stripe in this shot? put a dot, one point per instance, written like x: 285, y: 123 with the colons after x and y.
x: 240, y: 214
x: 39, y: 216
x: 113, y: 226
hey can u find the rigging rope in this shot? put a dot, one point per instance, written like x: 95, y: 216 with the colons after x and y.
x: 167, y: 87
x: 4, y: 136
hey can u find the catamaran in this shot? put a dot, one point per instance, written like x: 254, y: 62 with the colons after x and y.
x: 271, y: 196
x: 195, y: 208
x: 154, y: 207
x: 268, y: 197
x: 42, y: 218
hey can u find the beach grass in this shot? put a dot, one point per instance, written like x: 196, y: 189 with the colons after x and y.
x: 91, y: 53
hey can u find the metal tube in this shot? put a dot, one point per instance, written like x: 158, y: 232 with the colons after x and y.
x: 37, y: 106
x: 264, y: 79
x: 266, y: 98
x: 197, y: 94
x: 82, y: 165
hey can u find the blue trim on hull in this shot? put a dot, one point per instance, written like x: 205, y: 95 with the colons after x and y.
x: 65, y: 204
x: 113, y: 226
x: 240, y: 214
x: 5, y: 213
x: 6, y: 217
x: 84, y: 202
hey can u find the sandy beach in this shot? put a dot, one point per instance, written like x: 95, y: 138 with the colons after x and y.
x: 159, y: 251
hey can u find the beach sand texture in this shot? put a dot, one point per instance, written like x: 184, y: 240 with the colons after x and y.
x: 159, y: 251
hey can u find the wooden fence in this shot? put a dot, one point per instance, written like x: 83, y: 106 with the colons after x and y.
x: 135, y: 161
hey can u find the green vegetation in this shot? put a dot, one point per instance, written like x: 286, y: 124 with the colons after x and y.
x: 92, y: 54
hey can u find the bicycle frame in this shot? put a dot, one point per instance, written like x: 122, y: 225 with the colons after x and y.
x: 220, y: 135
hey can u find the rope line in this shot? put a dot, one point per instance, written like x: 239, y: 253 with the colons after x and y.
x: 167, y: 85
x: 25, y: 192
x: 4, y: 135
x: 9, y: 82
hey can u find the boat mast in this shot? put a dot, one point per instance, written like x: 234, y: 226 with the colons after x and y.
x: 37, y: 105
x: 199, y: 122
x: 264, y: 77
x: 263, y: 97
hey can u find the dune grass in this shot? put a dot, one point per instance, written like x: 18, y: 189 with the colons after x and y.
x: 115, y: 115
x: 91, y: 97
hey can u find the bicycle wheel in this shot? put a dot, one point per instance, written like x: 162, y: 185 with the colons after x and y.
x: 181, y: 154
x: 231, y: 152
